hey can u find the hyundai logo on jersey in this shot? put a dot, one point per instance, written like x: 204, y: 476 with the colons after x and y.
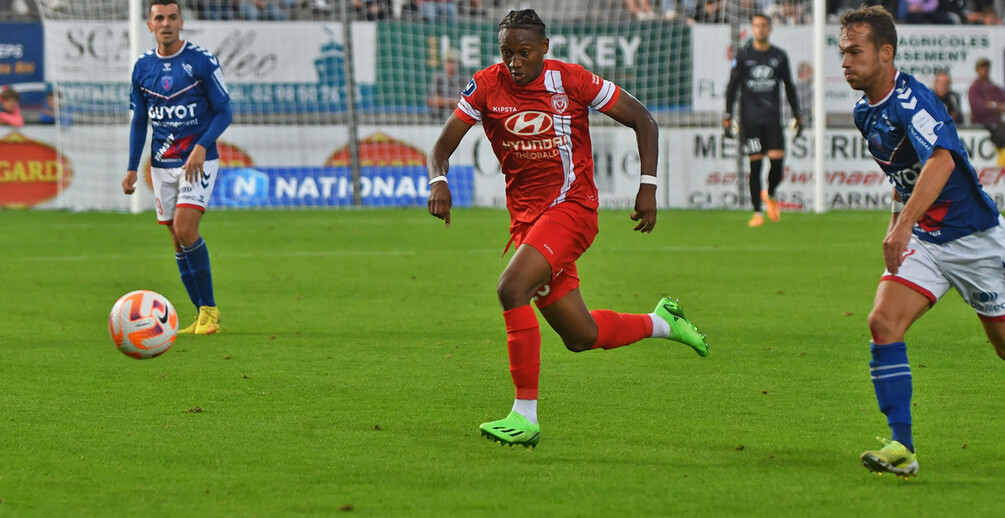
x: 528, y: 123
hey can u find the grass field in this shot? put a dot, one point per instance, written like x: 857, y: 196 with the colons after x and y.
x: 361, y: 349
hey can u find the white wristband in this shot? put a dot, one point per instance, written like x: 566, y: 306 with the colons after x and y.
x: 647, y: 180
x: 440, y: 178
x: 897, y: 206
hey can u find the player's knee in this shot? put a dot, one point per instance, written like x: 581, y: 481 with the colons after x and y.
x: 511, y: 293
x: 186, y: 237
x: 883, y: 327
x: 580, y: 343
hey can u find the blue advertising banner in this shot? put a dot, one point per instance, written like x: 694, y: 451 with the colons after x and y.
x: 380, y: 186
x: 22, y: 58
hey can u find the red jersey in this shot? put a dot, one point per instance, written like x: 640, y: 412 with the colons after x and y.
x: 540, y: 132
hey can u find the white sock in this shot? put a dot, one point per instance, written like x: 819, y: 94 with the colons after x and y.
x: 661, y: 328
x: 526, y: 408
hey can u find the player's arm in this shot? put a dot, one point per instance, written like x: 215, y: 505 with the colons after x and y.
x: 215, y: 91
x: 438, y: 164
x: 137, y: 136
x: 732, y: 87
x: 629, y: 111
x: 934, y: 175
x: 792, y: 96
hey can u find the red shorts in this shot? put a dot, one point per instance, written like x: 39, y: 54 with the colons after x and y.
x: 561, y: 234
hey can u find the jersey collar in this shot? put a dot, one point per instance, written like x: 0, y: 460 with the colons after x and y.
x: 183, y: 45
x: 889, y: 94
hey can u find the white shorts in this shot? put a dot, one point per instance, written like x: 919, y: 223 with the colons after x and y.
x: 171, y: 190
x: 974, y: 265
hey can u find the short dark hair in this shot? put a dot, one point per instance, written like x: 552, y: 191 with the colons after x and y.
x: 9, y: 93
x: 524, y: 19
x: 163, y: 2
x: 760, y: 15
x: 879, y: 20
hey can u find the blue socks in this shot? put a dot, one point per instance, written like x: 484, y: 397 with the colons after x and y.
x: 187, y: 278
x: 197, y: 257
x: 891, y: 376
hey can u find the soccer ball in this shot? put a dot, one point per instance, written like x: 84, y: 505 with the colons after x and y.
x: 143, y: 324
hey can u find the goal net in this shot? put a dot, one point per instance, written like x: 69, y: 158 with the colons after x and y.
x: 337, y: 103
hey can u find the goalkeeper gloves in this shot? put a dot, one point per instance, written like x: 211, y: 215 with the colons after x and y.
x: 727, y: 126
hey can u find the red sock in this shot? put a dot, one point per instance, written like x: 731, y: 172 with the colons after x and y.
x: 523, y: 339
x: 618, y: 329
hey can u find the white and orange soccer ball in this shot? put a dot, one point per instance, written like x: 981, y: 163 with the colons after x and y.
x: 143, y: 324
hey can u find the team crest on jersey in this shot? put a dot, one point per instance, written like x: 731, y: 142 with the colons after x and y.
x: 470, y: 89
x: 167, y: 82
x: 559, y: 102
x: 876, y: 141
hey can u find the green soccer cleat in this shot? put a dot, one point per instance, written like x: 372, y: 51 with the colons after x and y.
x: 514, y: 429
x: 893, y: 457
x: 681, y: 329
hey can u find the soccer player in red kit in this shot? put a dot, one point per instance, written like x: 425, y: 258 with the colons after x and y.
x: 535, y: 114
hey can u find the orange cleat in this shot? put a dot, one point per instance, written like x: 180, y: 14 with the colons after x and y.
x: 771, y: 204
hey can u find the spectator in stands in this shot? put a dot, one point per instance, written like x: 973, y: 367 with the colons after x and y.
x: 50, y: 110
x: 804, y: 92
x: 710, y: 11
x: 443, y: 10
x: 987, y: 103
x: 214, y: 9
x: 943, y: 90
x: 447, y: 85
x: 789, y: 12
x: 370, y: 9
x: 672, y: 9
x: 982, y: 12
x: 926, y: 12
x: 10, y: 109
x: 275, y: 10
x: 640, y: 9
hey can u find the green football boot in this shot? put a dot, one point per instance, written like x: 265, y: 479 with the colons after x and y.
x: 893, y: 457
x: 514, y: 429
x: 681, y: 329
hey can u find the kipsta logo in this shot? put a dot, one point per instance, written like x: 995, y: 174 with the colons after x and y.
x: 985, y: 297
x: 528, y: 123
x: 167, y: 82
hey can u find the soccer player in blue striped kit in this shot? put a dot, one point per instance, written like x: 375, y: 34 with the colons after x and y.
x: 945, y: 231
x: 178, y: 89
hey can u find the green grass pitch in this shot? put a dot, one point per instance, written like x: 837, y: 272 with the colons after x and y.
x: 361, y: 349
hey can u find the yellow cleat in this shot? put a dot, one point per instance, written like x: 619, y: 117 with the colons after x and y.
x: 191, y: 327
x: 893, y: 457
x: 208, y: 322
x: 771, y: 207
x: 756, y: 221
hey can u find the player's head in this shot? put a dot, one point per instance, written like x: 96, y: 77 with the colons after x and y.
x: 942, y: 83
x: 523, y: 44
x: 9, y: 99
x: 165, y: 22
x: 868, y: 44
x: 983, y: 68
x: 760, y: 28
x: 451, y: 62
